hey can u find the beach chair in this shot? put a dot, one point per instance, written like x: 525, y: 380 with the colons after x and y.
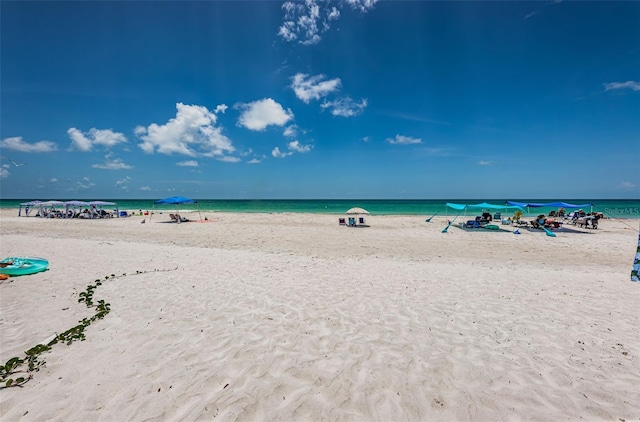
x: 352, y: 222
x: 361, y: 220
x: 174, y: 218
x: 497, y: 216
x: 342, y: 221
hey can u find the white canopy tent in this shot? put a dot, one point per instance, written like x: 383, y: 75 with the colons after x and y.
x: 28, y: 207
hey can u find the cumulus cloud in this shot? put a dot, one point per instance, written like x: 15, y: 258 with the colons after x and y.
x: 345, y: 107
x: 145, y: 188
x: 111, y: 163
x: 632, y: 85
x: 293, y: 146
x: 276, y: 153
x: 255, y: 160
x: 309, y: 88
x: 103, y: 137
x: 193, y: 132
x: 404, y: 140
x: 305, y: 21
x: 123, y: 182
x: 53, y: 180
x: 189, y: 163
x: 290, y: 131
x: 229, y: 159
x: 17, y: 144
x: 298, y: 147
x: 485, y: 163
x: 626, y: 185
x: 85, y: 184
x: 4, y: 171
x: 262, y: 113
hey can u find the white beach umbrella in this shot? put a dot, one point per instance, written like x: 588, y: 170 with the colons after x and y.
x: 357, y: 210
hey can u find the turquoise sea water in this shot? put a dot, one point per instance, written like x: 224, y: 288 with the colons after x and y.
x: 617, y: 208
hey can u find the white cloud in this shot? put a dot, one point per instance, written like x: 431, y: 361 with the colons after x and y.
x: 290, y: 131
x: 254, y: 161
x: 305, y: 21
x: 189, y: 163
x: 4, y: 171
x: 298, y: 147
x: 632, y: 85
x: 309, y: 88
x: 17, y: 144
x: 626, y: 185
x: 123, y: 182
x: 345, y: 107
x: 229, y: 159
x: 145, y: 188
x: 362, y: 5
x: 111, y: 163
x: 404, y: 140
x: 86, y: 141
x: 53, y: 180
x: 192, y: 132
x: 293, y: 146
x: 262, y: 113
x: 84, y: 186
x: 485, y: 163
x: 366, y: 139
x: 276, y: 153
x: 221, y: 108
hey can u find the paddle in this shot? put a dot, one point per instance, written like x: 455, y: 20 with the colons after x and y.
x: 450, y: 223
x: 428, y: 220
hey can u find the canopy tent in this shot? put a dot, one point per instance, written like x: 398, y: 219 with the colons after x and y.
x: 28, y: 206
x: 176, y: 200
x: 99, y: 205
x: 483, y: 205
x: 49, y: 207
x: 549, y: 205
x: 73, y: 205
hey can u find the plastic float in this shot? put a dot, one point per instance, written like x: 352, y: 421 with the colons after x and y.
x: 23, y: 265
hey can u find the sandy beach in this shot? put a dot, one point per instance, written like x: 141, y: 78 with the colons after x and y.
x: 292, y: 317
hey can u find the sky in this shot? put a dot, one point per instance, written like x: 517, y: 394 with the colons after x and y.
x: 352, y: 99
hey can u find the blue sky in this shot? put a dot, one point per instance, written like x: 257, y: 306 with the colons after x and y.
x: 319, y: 99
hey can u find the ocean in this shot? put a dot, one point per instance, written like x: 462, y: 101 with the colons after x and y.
x: 612, y: 208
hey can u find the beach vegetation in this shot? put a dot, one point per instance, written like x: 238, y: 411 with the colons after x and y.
x: 14, y: 374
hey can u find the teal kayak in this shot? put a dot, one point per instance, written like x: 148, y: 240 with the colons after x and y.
x: 23, y: 265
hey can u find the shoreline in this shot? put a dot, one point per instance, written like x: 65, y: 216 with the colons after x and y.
x: 291, y: 316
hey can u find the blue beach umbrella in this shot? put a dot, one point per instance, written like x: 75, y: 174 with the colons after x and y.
x: 176, y: 200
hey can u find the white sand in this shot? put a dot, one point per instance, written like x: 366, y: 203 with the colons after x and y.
x: 293, y: 317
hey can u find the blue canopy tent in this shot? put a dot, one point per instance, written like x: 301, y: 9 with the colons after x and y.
x: 481, y: 206
x: 549, y: 205
x: 176, y: 200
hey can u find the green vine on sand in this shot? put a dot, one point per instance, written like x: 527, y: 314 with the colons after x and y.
x: 14, y: 373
